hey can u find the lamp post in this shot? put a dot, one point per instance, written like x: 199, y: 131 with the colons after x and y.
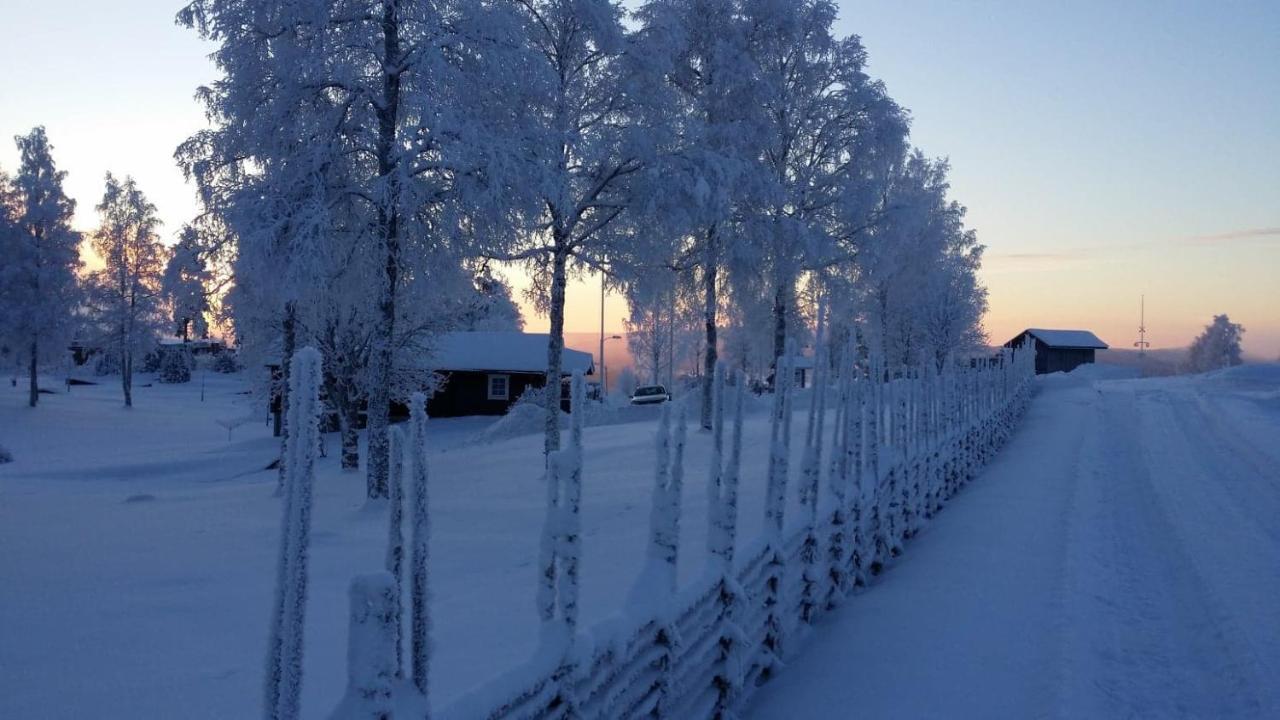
x: 604, y: 378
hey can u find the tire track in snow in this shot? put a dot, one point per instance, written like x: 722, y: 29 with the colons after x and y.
x: 1157, y: 641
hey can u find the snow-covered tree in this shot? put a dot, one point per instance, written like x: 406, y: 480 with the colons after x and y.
x: 186, y: 277
x: 584, y: 155
x: 378, y: 117
x: 711, y: 162
x: 651, y: 327
x: 825, y: 119
x: 491, y: 306
x: 125, y: 293
x: 915, y: 275
x: 41, y: 258
x: 1217, y: 347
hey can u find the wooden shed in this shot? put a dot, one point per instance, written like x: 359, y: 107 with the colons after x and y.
x: 1060, y: 350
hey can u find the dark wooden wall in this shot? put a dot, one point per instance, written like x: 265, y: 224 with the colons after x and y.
x: 1051, y: 360
x: 467, y: 393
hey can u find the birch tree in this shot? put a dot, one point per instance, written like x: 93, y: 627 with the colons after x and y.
x: 821, y: 112
x: 382, y: 109
x: 710, y: 166
x: 582, y: 152
x: 126, y: 291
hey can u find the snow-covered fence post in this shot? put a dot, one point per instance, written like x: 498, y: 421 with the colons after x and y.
x: 420, y: 647
x: 373, y: 635
x: 776, y: 500
x: 776, y: 482
x: 675, y: 493
x: 668, y: 542
x: 395, y: 541
x: 547, y: 566
x: 879, y: 459
x: 812, y: 574
x: 715, y: 479
x: 733, y: 644
x: 838, y: 485
x: 284, y: 646
x: 859, y: 510
x: 658, y: 577
x: 570, y: 545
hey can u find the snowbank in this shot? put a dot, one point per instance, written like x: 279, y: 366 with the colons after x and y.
x: 527, y: 419
x: 1249, y: 374
x: 1096, y: 371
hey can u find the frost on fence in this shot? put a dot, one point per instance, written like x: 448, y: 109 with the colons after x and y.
x: 904, y: 440
x: 284, y: 646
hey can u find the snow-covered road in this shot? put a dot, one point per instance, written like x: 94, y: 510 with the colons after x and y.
x: 1119, y: 559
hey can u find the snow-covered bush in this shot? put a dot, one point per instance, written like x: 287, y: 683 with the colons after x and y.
x: 175, y: 366
x: 106, y: 363
x: 225, y: 363
x: 532, y: 395
x: 151, y: 362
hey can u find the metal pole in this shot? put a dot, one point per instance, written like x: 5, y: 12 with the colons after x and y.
x: 603, y: 378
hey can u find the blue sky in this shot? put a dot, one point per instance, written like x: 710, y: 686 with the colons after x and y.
x: 1105, y: 149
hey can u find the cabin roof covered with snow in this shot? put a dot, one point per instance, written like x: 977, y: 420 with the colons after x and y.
x: 1066, y: 338
x: 500, y: 350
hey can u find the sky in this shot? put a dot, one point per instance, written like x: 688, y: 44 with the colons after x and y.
x: 1105, y: 150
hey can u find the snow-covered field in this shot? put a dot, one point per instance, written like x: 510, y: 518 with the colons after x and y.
x: 137, y: 549
x: 1119, y: 559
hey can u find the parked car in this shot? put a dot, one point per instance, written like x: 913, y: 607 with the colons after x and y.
x: 650, y: 395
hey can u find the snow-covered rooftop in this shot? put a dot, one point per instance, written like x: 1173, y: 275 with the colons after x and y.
x: 1067, y: 338
x: 500, y: 350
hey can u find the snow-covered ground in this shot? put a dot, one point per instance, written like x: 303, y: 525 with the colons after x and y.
x: 137, y: 548
x: 1119, y: 559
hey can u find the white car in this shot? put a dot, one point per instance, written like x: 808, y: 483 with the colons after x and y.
x: 650, y: 395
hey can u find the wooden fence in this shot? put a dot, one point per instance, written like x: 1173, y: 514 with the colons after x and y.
x: 904, y: 443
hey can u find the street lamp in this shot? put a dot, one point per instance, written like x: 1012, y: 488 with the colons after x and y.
x: 604, y: 379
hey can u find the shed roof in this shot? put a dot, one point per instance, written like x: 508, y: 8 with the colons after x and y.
x: 1067, y: 338
x: 500, y: 350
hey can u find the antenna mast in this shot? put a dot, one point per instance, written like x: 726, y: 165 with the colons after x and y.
x: 1142, y: 343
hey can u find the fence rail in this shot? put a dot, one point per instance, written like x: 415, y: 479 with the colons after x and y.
x: 904, y: 443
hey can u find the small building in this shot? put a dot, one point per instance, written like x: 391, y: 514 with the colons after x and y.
x: 485, y: 371
x: 479, y: 372
x: 1060, y: 350
x: 802, y: 369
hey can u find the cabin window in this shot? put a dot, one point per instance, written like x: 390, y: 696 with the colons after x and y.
x: 499, y: 387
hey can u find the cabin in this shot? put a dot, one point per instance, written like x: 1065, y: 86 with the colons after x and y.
x: 484, y: 372
x: 479, y: 373
x: 1059, y: 350
x: 802, y: 369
